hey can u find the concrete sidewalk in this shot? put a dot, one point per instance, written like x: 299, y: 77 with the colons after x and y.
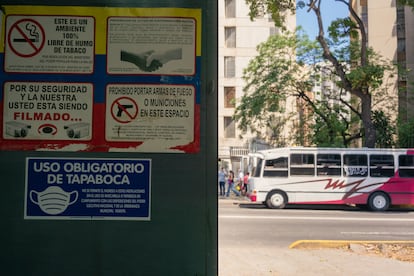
x: 291, y: 262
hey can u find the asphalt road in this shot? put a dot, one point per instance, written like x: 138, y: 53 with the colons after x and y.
x: 254, y: 240
x: 255, y: 224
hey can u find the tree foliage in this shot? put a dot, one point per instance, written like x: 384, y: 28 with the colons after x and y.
x: 406, y: 134
x: 277, y: 74
x: 385, y: 130
x: 278, y: 10
x: 269, y: 79
x: 360, y: 71
x: 406, y: 2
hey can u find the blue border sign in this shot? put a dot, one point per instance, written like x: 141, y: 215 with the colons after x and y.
x: 93, y: 189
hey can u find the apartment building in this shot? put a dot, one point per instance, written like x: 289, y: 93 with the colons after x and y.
x: 390, y: 31
x: 238, y: 39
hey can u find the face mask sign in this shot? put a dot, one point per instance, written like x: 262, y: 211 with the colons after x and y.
x: 53, y: 200
x: 86, y: 188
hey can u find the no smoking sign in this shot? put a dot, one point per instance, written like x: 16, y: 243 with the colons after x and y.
x: 26, y: 38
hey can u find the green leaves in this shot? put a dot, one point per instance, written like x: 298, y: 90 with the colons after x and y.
x: 368, y: 76
x: 271, y: 78
x: 343, y: 28
x: 406, y: 2
x: 385, y: 129
x: 277, y: 9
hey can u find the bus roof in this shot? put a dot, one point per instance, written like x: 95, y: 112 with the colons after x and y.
x: 288, y: 150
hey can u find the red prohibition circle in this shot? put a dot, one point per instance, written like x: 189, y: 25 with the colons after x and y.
x: 123, y: 109
x: 25, y: 38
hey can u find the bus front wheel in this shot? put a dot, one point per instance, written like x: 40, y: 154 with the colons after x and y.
x: 379, y: 202
x: 276, y: 200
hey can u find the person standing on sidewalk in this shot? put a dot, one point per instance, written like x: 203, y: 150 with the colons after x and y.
x: 245, y: 182
x: 222, y: 181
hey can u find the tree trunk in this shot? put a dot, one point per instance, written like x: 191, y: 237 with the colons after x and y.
x: 361, y: 92
x: 369, y: 129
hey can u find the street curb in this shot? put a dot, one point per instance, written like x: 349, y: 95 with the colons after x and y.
x: 233, y: 200
x: 315, y: 244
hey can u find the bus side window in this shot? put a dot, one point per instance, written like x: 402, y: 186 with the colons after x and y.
x: 328, y: 164
x: 406, y: 165
x: 355, y: 165
x: 276, y: 167
x: 381, y: 165
x: 302, y: 164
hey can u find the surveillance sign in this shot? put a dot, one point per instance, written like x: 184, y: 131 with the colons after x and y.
x: 87, y: 189
x: 47, y: 111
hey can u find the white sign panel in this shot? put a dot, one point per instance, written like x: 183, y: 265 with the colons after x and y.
x: 161, y: 116
x: 49, y: 44
x: 151, y: 45
x: 47, y: 111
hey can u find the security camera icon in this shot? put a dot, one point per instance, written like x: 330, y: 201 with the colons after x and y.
x: 17, y: 129
x: 77, y: 130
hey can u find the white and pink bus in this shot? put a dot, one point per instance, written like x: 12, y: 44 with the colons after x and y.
x: 376, y: 178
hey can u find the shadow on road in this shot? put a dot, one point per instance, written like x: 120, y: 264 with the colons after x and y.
x: 392, y: 209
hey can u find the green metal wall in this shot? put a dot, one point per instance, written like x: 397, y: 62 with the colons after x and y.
x: 180, y: 238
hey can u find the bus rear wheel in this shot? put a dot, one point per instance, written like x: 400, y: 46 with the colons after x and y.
x: 276, y: 200
x: 378, y: 202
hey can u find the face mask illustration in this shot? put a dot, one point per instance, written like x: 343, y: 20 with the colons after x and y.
x: 53, y: 200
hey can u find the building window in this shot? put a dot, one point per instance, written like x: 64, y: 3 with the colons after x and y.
x: 401, y: 45
x: 229, y: 67
x: 230, y: 9
x: 229, y: 127
x: 401, y: 21
x: 229, y: 97
x: 230, y: 37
